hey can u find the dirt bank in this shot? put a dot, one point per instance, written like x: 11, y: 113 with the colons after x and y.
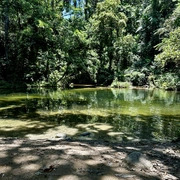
x: 86, y: 160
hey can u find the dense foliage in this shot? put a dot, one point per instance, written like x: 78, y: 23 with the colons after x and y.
x: 56, y: 42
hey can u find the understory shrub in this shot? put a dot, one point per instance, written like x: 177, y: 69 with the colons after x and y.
x: 137, y: 78
x: 118, y: 84
x: 168, y: 81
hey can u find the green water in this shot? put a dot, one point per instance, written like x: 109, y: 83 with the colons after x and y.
x: 109, y: 114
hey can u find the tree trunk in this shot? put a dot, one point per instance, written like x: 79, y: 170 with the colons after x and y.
x: 6, y: 27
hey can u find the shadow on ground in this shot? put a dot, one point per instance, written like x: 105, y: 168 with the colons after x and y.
x: 84, y: 160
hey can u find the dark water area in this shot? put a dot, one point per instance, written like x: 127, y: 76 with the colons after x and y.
x: 108, y: 114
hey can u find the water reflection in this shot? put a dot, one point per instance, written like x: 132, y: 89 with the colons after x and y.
x: 116, y: 114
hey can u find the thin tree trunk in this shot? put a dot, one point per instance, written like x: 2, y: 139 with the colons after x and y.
x: 6, y: 27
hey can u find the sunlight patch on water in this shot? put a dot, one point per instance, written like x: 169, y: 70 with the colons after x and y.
x: 11, y: 107
x: 19, y: 97
x: 92, y: 112
x: 95, y: 127
x: 103, y: 112
x: 52, y: 132
x: 12, y: 123
x: 18, y: 128
x: 116, y: 135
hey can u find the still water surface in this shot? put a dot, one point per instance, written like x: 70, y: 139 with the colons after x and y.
x: 108, y: 114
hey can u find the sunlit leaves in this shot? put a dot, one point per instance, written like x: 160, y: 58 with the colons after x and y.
x: 170, y: 48
x: 41, y: 24
x: 81, y: 36
x: 95, y: 39
x: 109, y: 17
x: 170, y: 23
x: 106, y: 25
x: 92, y: 64
x: 124, y: 47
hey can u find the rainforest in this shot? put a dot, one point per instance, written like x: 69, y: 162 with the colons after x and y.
x: 53, y: 43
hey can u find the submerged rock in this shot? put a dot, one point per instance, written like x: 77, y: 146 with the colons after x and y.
x: 61, y: 135
x: 137, y: 159
x: 85, y: 134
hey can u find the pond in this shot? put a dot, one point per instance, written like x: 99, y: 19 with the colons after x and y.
x: 106, y: 114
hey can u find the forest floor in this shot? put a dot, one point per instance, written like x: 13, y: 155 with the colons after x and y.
x: 38, y: 159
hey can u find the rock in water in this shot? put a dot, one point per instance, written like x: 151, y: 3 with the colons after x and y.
x: 61, y: 135
x: 137, y: 159
x: 85, y: 134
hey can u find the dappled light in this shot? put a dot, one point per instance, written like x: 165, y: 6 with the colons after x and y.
x: 89, y: 137
x: 80, y: 160
x: 90, y: 90
x: 113, y: 114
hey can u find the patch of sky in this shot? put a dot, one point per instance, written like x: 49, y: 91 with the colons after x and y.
x: 73, y: 9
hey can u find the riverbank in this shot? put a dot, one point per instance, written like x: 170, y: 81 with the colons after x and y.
x: 85, y: 160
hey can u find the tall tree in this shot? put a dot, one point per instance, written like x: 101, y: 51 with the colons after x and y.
x: 6, y: 27
x: 106, y: 25
x: 149, y: 22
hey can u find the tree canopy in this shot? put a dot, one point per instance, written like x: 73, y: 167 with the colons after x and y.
x: 56, y: 42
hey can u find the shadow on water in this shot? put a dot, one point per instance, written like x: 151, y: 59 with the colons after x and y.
x: 77, y: 113
x: 119, y: 115
x: 126, y: 128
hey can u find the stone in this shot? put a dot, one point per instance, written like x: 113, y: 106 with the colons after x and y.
x: 85, y: 134
x: 61, y: 135
x: 138, y: 160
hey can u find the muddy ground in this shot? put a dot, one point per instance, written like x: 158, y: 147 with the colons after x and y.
x: 27, y: 159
